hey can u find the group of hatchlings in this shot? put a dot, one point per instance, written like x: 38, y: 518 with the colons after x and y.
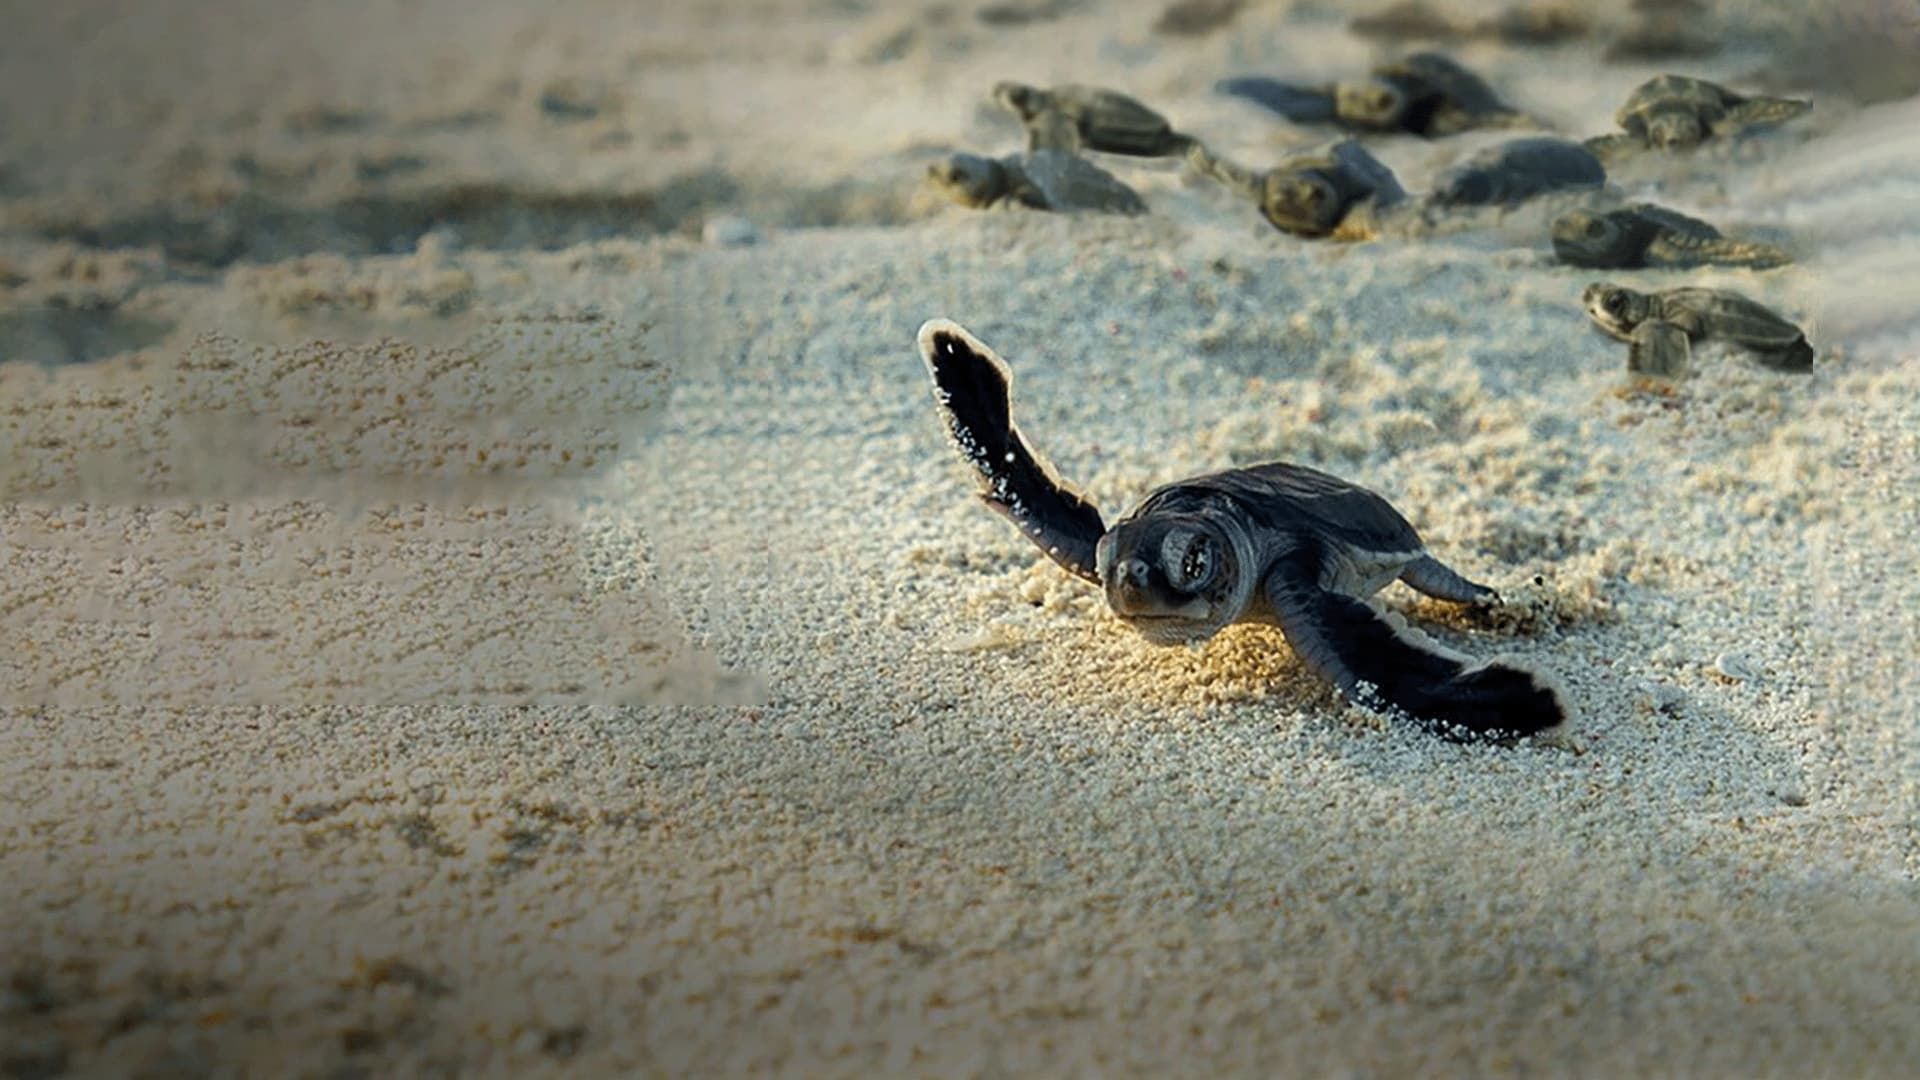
x: 1342, y: 191
x: 1283, y: 544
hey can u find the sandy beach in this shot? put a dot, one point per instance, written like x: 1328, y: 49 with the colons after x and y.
x: 487, y: 591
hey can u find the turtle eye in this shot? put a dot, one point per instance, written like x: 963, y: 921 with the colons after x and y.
x: 1196, y: 565
x: 1616, y: 302
x: 1595, y: 229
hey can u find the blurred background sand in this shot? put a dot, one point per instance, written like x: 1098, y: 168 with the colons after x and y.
x: 485, y: 588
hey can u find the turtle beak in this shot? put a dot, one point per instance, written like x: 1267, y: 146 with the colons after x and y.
x: 1126, y: 583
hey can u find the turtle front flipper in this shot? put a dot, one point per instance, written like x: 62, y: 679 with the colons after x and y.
x: 1763, y: 112
x: 1659, y: 348
x: 1300, y: 104
x: 1614, y: 147
x: 1379, y: 666
x: 1678, y: 250
x: 1052, y: 129
x: 974, y: 391
x: 1442, y: 582
x: 1237, y: 178
x: 1796, y: 358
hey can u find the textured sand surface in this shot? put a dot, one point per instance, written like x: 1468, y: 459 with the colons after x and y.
x: 455, y: 618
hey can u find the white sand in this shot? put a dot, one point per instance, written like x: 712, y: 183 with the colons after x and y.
x: 730, y: 734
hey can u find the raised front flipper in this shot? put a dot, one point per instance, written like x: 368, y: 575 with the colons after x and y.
x: 1678, y: 250
x: 1660, y: 349
x: 1300, y: 104
x: 973, y: 389
x: 1381, y: 667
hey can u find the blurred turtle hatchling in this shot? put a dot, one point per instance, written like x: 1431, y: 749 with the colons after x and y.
x: 1076, y: 118
x: 1646, y: 235
x: 1346, y: 193
x: 1428, y: 94
x: 1040, y: 180
x: 1661, y: 328
x: 1341, y: 190
x: 1677, y: 112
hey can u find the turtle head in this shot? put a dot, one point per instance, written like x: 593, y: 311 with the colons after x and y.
x: 1588, y: 239
x: 1025, y: 101
x: 1304, y: 203
x: 1674, y: 129
x: 1615, y: 308
x: 1372, y: 103
x: 1174, y: 577
x: 969, y: 179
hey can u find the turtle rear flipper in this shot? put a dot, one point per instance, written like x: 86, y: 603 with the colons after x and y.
x: 1300, y: 104
x: 1378, y: 666
x: 1659, y: 348
x: 973, y: 389
x: 1677, y: 250
x: 1763, y: 112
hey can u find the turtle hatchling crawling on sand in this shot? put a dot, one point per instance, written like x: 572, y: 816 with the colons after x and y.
x: 1644, y: 234
x: 1512, y: 172
x: 1676, y: 112
x: 1278, y: 544
x: 1347, y: 193
x: 1341, y: 190
x: 1076, y: 118
x: 1661, y: 327
x: 1042, y: 180
x: 1426, y: 94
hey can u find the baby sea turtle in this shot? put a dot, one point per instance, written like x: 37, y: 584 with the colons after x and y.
x: 1340, y: 190
x: 1042, y: 180
x: 1644, y: 234
x: 1278, y: 544
x: 1076, y: 118
x: 1510, y: 173
x: 1661, y: 35
x: 1521, y: 24
x: 1661, y: 327
x: 1426, y: 94
x: 1346, y: 193
x: 1675, y: 112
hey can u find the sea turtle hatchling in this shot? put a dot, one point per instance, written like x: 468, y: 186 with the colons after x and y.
x: 1661, y: 327
x: 1428, y: 94
x: 1346, y: 193
x: 1074, y: 118
x: 1676, y: 112
x: 1341, y: 190
x: 1512, y: 172
x: 1042, y: 180
x: 1643, y: 235
x: 1278, y: 544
